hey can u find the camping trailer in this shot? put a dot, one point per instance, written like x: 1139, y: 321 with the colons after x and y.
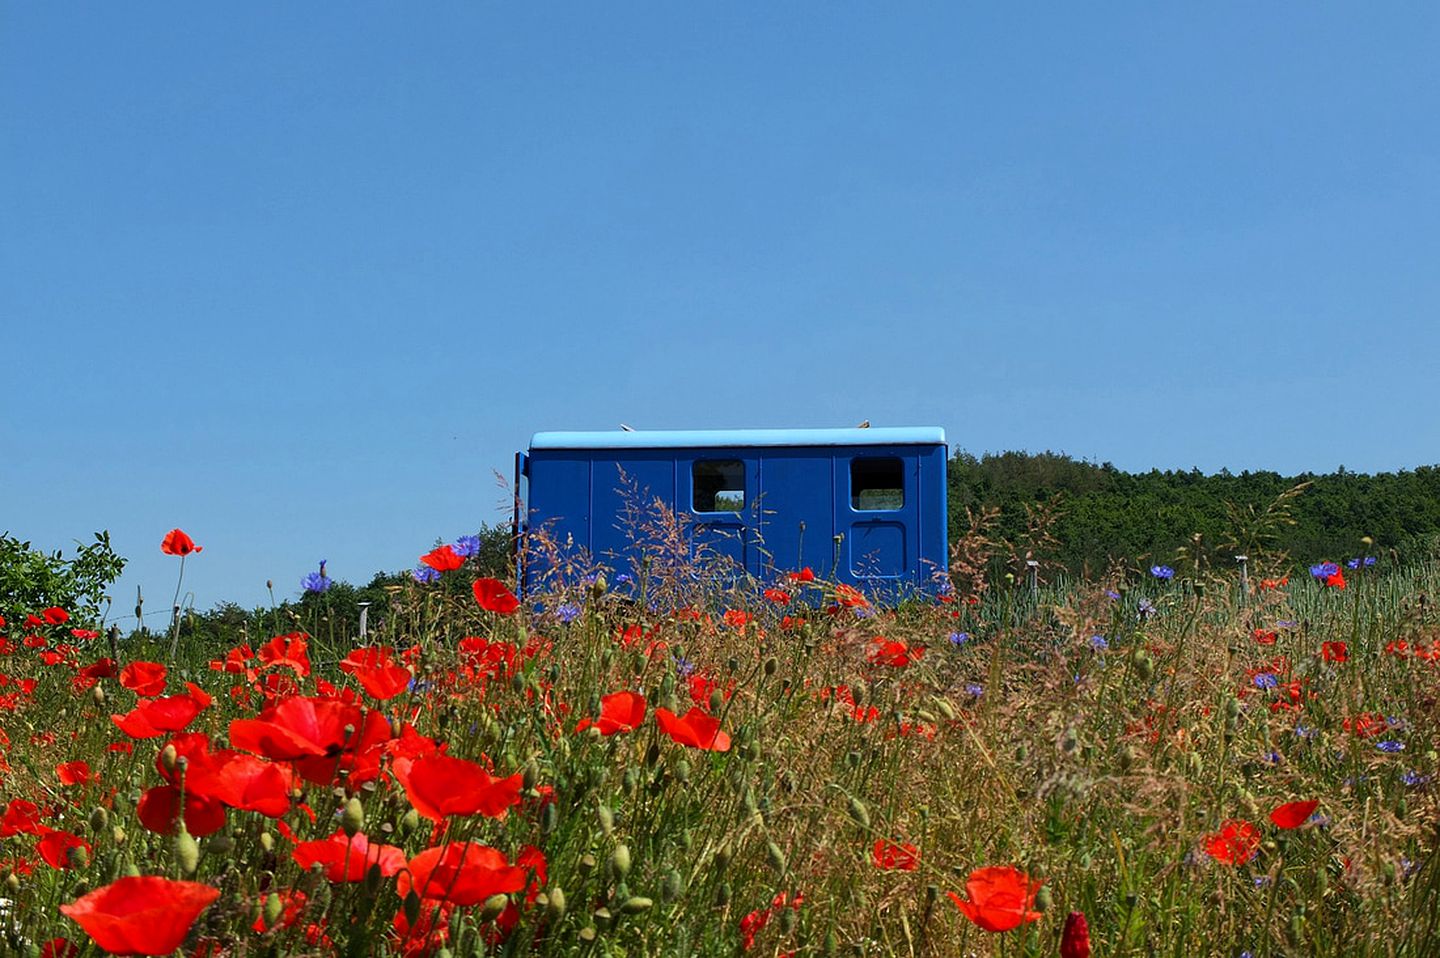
x: 863, y: 506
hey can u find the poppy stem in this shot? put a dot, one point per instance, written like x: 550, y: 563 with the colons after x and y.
x: 175, y: 613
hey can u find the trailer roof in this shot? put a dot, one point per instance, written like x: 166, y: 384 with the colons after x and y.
x: 740, y: 438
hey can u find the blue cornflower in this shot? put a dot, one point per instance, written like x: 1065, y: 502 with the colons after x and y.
x: 1099, y: 643
x: 1146, y: 609
x: 1266, y: 680
x: 567, y: 612
x: 959, y: 638
x: 975, y: 689
x: 316, y: 582
x: 466, y: 546
x: 1284, y: 624
x: 684, y: 668
x: 623, y: 579
x: 1413, y: 778
x: 1352, y: 563
x: 1112, y: 594
x: 1273, y: 758
x: 1324, y: 570
x: 1368, y: 561
x: 1390, y: 745
x: 1304, y: 731
x: 424, y: 574
x: 1162, y: 572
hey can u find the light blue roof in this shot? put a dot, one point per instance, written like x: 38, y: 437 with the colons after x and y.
x: 713, y: 438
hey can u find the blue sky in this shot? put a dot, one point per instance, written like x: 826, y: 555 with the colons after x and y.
x: 299, y: 278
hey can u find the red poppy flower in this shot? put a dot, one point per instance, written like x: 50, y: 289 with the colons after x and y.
x: 159, y: 811
x: 55, y: 615
x: 377, y: 672
x: 850, y: 597
x: 346, y: 859
x: 1334, y: 651
x: 439, y: 785
x: 1263, y: 637
x: 144, y: 678
x: 54, y: 846
x: 697, y: 729
x: 299, y: 727
x: 59, y: 948
x: 804, y: 575
x: 892, y: 856
x: 1075, y: 939
x: 177, y: 543
x: 290, y: 651
x: 494, y: 597
x: 443, y: 559
x: 999, y: 898
x: 146, y: 915
x: 462, y: 873
x: 737, y: 618
x: 1235, y: 844
x: 619, y: 712
x: 894, y: 654
x: 20, y: 816
x: 777, y: 596
x: 158, y: 716
x: 76, y: 773
x: 1293, y: 814
x: 1365, y: 725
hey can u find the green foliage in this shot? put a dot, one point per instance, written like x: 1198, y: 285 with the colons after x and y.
x: 1109, y: 515
x: 31, y: 580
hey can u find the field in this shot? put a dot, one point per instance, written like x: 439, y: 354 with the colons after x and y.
x: 674, y: 768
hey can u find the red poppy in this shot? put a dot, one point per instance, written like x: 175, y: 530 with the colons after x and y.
x: 804, y: 575
x: 619, y: 712
x: 999, y: 898
x: 1293, y: 814
x: 54, y: 846
x: 1365, y: 725
x: 777, y: 596
x: 106, y: 668
x: 290, y: 651
x: 177, y: 543
x: 76, y: 773
x: 697, y: 729
x: 1263, y: 637
x: 1075, y: 939
x: 20, y: 816
x: 159, y: 810
x: 146, y: 915
x: 439, y: 785
x: 494, y: 597
x: 443, y: 559
x: 377, y: 672
x: 850, y: 597
x: 55, y: 615
x: 346, y: 859
x: 59, y: 948
x: 462, y: 873
x: 892, y: 856
x: 1334, y: 651
x: 144, y: 678
x: 299, y: 727
x: 1235, y: 844
x: 1267, y: 584
x: 894, y: 654
x: 737, y: 618
x: 158, y: 716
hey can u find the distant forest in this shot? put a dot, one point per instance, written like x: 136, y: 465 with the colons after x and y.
x: 1099, y: 513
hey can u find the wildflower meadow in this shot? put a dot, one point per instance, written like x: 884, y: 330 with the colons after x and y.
x: 662, y: 761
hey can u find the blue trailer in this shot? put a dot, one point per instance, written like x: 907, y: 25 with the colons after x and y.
x: 863, y: 506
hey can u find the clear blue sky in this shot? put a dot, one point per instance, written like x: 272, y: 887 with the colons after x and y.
x: 297, y: 277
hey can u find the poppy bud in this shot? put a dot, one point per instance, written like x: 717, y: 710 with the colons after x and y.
x: 682, y: 771
x: 1070, y: 740
x: 12, y: 883
x: 99, y: 818
x: 852, y: 759
x: 636, y: 905
x: 832, y: 943
x: 129, y: 870
x: 772, y: 665
x: 620, y: 861
x: 549, y: 818
x: 732, y: 664
x: 1043, y: 898
x: 631, y: 779
x: 724, y: 856
x: 1075, y: 940
x: 493, y: 907
x: 859, y: 814
x: 672, y: 887
x: 168, y: 757
x: 97, y: 696
x: 219, y: 844
x: 1144, y: 666
x: 1128, y: 755
x: 555, y: 903
x: 352, y: 818
x: 531, y: 776
x: 598, y: 587
x: 787, y: 921
x: 117, y: 835
x: 372, y: 880
x: 652, y: 755
x: 410, y: 821
x: 267, y: 842
x: 722, y: 895
x: 776, y: 857
x: 274, y: 908
x: 187, y: 852
x: 607, y: 819
x: 587, y: 864
x: 946, y: 709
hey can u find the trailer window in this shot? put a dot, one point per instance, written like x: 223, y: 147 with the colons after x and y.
x: 719, y: 485
x: 877, y: 485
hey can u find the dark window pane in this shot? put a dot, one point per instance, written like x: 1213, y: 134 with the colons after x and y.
x: 719, y: 485
x: 877, y: 484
